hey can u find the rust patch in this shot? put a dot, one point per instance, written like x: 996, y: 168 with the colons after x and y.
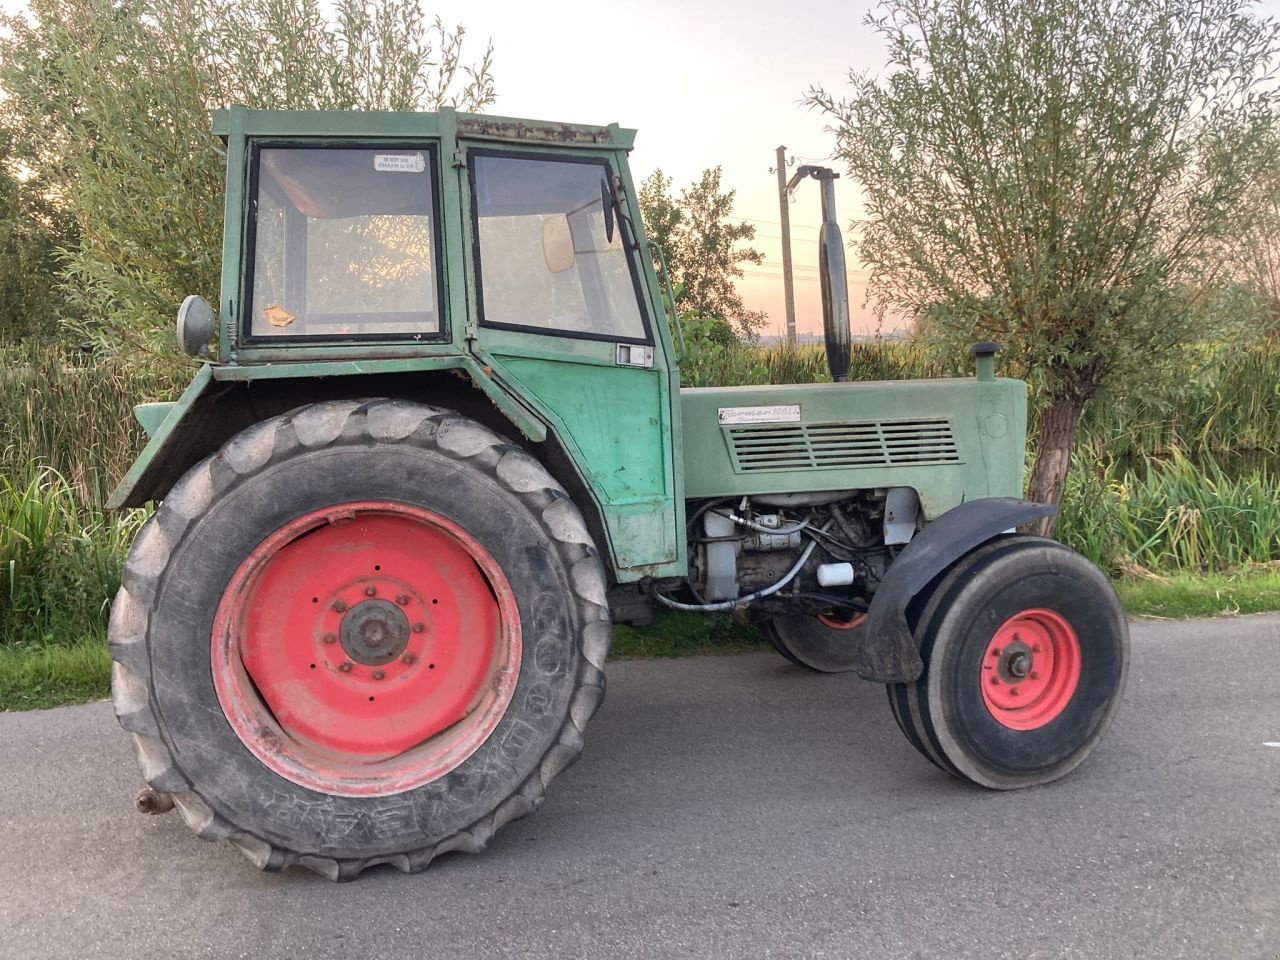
x: 544, y: 133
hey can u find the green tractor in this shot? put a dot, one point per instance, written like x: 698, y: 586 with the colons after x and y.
x: 443, y: 449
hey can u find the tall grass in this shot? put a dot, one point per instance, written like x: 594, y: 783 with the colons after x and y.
x: 1173, y: 514
x: 70, y: 412
x: 59, y: 565
x: 745, y: 365
x: 1224, y: 400
x: 67, y: 434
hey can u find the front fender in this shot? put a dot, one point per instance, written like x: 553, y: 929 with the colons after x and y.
x: 892, y: 654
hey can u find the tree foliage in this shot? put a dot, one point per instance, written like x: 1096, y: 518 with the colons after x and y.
x: 32, y: 231
x: 109, y: 99
x: 1056, y: 175
x: 703, y: 246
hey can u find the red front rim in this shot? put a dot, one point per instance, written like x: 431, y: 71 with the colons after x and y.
x: 366, y: 649
x: 1030, y: 669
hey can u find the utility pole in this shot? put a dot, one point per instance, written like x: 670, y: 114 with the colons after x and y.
x: 788, y: 284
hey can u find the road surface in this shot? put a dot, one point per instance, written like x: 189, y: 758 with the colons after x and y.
x: 726, y: 807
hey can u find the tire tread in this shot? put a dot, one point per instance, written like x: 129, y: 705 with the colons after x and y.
x: 377, y: 421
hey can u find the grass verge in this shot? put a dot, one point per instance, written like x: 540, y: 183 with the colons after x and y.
x: 1183, y: 595
x: 34, y: 676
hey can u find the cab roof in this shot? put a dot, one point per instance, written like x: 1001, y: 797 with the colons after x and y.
x: 392, y: 125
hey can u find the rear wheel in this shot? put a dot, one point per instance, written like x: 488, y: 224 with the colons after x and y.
x: 827, y: 643
x: 1025, y: 647
x: 360, y: 633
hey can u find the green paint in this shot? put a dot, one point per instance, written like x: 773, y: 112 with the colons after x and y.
x: 156, y: 445
x: 638, y: 445
x: 151, y: 415
x: 936, y: 436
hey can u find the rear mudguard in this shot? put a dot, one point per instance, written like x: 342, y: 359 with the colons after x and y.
x: 891, y: 653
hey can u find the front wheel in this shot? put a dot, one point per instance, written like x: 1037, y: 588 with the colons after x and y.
x: 1026, y: 649
x: 826, y: 643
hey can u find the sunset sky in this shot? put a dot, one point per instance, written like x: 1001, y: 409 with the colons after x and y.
x: 706, y: 84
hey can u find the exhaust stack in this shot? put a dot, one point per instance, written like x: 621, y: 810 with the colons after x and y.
x: 834, y: 278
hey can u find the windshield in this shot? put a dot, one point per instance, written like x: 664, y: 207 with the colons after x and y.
x: 547, y: 261
x: 343, y: 243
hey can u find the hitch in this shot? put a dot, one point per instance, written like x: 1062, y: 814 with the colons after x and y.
x: 153, y: 802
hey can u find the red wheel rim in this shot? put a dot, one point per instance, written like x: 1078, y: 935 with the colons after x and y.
x: 835, y: 623
x: 366, y: 649
x: 1030, y: 669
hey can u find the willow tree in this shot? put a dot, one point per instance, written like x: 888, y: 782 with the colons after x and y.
x: 704, y: 245
x: 108, y: 101
x: 1055, y: 174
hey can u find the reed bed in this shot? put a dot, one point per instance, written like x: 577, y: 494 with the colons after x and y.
x: 59, y: 564
x: 1175, y: 514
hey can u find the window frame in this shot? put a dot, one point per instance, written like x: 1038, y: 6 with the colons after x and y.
x: 249, y: 258
x: 633, y: 267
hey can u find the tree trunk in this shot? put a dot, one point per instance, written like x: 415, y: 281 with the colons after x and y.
x: 1055, y: 439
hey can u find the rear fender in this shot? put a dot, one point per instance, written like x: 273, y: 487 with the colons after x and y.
x: 221, y: 401
x: 891, y: 653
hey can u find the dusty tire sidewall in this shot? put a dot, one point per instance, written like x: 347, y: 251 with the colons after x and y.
x: 208, y: 751
x: 808, y: 643
x: 1022, y: 577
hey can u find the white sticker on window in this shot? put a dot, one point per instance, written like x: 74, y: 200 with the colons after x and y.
x: 399, y: 162
x: 783, y: 413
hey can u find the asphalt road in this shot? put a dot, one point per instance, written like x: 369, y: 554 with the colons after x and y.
x: 728, y: 807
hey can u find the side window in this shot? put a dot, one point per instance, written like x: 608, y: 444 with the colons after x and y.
x: 547, y: 261
x: 343, y: 243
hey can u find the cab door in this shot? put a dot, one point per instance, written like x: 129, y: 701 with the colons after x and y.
x: 560, y: 314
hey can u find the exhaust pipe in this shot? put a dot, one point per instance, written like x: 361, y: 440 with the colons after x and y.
x: 834, y: 278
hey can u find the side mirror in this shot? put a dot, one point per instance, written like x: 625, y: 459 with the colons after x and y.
x: 557, y: 243
x: 196, y: 326
x: 606, y: 207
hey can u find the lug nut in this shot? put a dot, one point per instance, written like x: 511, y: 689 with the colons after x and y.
x: 1013, y: 692
x: 370, y: 591
x: 408, y: 658
x: 330, y: 638
x: 403, y: 600
x: 378, y: 674
x: 418, y: 628
x: 340, y: 606
x: 345, y: 666
x: 1035, y: 674
x: 995, y: 681
x: 1035, y: 648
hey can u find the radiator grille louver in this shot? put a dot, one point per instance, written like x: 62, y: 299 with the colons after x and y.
x: 871, y: 443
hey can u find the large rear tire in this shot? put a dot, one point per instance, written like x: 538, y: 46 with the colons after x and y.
x: 361, y: 633
x: 1026, y: 649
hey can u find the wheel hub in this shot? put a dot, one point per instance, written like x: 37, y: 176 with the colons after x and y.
x: 374, y: 632
x: 1030, y: 669
x: 1016, y: 662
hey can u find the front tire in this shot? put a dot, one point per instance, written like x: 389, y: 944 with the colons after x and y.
x: 825, y: 644
x: 1026, y: 649
x: 362, y: 632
